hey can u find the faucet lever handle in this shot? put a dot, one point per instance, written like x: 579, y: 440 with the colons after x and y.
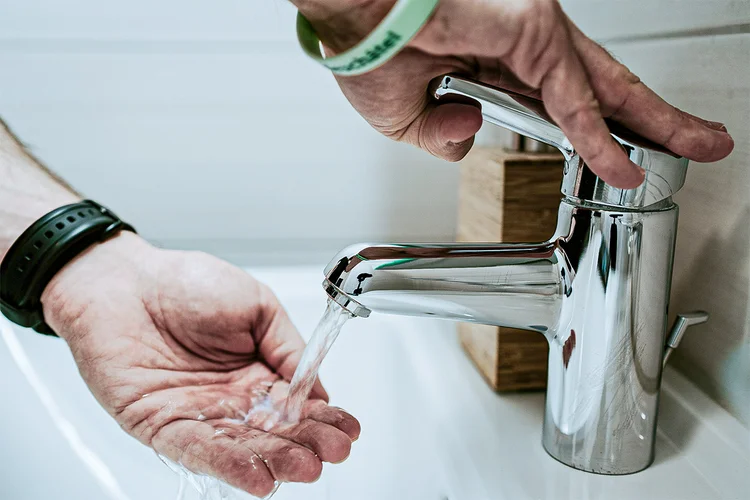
x: 681, y: 324
x: 665, y: 171
x: 518, y: 113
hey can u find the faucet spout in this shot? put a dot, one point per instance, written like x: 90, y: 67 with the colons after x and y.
x: 513, y: 285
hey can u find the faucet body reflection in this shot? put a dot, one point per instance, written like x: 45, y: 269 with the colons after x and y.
x: 598, y: 290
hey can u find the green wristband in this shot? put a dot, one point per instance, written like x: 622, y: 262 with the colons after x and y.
x: 401, y: 24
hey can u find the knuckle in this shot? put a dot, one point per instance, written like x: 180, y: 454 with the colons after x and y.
x: 439, y: 31
x: 397, y: 135
x: 581, y: 115
x: 309, y: 467
x: 594, y: 156
x: 145, y: 428
x: 672, y: 134
x: 341, y: 448
x: 541, y: 42
x: 623, y: 74
x: 535, y: 8
x: 235, y: 462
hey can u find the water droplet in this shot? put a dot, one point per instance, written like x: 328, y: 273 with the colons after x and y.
x: 276, y: 485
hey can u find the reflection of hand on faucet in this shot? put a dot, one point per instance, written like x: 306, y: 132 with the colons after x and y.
x: 361, y: 279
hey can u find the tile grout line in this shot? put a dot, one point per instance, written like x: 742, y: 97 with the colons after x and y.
x: 735, y: 29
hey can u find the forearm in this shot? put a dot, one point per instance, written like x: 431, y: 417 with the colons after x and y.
x: 27, y: 189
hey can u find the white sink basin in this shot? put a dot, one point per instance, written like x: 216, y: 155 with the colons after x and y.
x: 432, y: 429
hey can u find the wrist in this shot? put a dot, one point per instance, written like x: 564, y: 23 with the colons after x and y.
x: 341, y: 24
x: 87, y: 278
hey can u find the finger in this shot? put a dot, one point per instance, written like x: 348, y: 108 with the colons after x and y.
x: 144, y: 418
x: 288, y: 461
x: 320, y: 411
x: 708, y: 123
x: 230, y: 396
x: 280, y: 343
x: 336, y: 417
x: 447, y: 130
x: 628, y: 100
x: 570, y: 101
x: 197, y: 447
x: 326, y: 441
x: 493, y: 72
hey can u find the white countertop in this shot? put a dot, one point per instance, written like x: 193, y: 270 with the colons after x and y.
x: 432, y: 428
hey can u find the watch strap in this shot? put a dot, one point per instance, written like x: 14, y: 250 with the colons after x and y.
x: 43, y: 250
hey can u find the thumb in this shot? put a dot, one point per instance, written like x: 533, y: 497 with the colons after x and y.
x: 447, y: 130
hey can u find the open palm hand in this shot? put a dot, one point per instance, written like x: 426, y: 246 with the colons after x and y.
x: 192, y: 357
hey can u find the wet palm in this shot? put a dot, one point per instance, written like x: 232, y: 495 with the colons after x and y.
x: 179, y: 347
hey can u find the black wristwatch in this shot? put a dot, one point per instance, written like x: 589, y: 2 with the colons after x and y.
x: 42, y: 250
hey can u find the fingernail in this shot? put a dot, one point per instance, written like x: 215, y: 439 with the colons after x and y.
x: 641, y: 176
x: 715, y: 126
x: 719, y: 127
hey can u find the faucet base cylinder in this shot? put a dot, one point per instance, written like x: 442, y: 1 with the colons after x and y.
x: 569, y: 453
x: 605, y: 361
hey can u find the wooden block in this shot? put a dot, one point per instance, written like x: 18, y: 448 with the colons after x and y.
x: 508, y: 197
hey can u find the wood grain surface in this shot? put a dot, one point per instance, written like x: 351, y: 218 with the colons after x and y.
x: 508, y: 197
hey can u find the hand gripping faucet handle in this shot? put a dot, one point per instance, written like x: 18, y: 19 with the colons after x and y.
x: 521, y: 114
x: 665, y: 171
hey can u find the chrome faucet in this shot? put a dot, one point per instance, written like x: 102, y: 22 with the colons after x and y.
x: 598, y: 289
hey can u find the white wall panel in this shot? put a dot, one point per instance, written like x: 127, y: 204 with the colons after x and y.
x: 611, y: 19
x: 254, y: 147
x: 147, y: 19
